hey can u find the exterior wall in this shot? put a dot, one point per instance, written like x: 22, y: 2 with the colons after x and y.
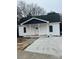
x: 56, y: 29
x: 43, y: 29
x: 21, y: 30
x: 29, y: 30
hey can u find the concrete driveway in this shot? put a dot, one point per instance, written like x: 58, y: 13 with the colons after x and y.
x: 43, y: 48
x: 31, y: 55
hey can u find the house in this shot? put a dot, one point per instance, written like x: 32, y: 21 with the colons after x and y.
x: 40, y: 25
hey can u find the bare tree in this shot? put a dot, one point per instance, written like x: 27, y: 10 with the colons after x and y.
x: 21, y: 8
x: 19, y: 13
x: 24, y: 9
x: 36, y: 10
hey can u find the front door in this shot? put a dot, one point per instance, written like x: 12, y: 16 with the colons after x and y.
x: 35, y: 29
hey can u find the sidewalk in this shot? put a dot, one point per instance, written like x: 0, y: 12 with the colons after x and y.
x: 30, y: 55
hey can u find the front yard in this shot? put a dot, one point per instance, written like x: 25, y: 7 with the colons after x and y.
x: 24, y: 42
x: 42, y: 48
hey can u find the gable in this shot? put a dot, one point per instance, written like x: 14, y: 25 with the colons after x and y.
x: 34, y: 21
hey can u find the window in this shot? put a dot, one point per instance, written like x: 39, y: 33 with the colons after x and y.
x: 24, y: 29
x: 50, y: 28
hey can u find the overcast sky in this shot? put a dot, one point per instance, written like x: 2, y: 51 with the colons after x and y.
x: 48, y: 5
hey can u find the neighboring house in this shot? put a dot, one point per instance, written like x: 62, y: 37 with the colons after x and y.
x: 40, y: 25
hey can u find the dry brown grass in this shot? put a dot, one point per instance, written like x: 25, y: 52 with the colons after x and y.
x: 24, y: 42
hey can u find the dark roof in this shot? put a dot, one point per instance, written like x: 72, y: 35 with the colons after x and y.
x: 51, y: 17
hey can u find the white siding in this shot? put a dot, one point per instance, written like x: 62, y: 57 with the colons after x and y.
x: 43, y: 29
x: 56, y: 29
x: 21, y: 30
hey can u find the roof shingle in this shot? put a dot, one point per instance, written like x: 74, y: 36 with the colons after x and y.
x: 51, y: 17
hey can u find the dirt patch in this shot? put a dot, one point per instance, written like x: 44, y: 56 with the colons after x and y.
x: 24, y: 42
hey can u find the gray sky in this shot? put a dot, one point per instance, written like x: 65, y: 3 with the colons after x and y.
x: 48, y: 5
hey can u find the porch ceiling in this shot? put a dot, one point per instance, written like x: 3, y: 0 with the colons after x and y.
x: 34, y: 21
